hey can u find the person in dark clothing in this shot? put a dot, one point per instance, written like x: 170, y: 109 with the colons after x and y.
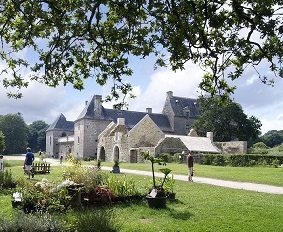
x: 190, y: 161
x: 28, y: 162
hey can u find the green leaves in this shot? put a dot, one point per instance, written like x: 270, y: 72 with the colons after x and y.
x: 72, y: 40
x: 226, y: 120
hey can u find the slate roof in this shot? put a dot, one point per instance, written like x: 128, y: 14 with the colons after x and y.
x: 180, y: 103
x: 61, y: 124
x: 201, y: 144
x: 89, y: 111
x: 131, y: 117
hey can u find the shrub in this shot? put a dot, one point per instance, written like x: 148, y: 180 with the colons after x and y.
x: 218, y: 160
x: 44, y: 196
x: 178, y: 158
x: 88, y: 176
x: 39, y: 222
x: 206, y: 159
x: 123, y: 186
x: 86, y: 158
x: 102, y: 220
x: 259, y: 148
x: 241, y: 160
x: 7, y: 180
x: 166, y: 157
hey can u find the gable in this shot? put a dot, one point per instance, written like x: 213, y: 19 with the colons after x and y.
x: 61, y: 123
x: 145, y: 132
x: 146, y: 125
x: 106, y: 132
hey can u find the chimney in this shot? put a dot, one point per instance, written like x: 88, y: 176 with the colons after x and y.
x: 120, y: 121
x: 169, y: 94
x: 210, y: 136
x: 97, y: 105
x: 86, y: 103
x: 148, y: 110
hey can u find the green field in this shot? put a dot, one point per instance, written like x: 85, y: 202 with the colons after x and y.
x: 199, y: 207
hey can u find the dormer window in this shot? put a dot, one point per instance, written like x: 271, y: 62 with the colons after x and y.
x: 63, y: 134
x: 186, y: 112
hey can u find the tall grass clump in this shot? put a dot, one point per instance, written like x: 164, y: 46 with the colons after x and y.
x: 100, y: 219
x: 38, y: 222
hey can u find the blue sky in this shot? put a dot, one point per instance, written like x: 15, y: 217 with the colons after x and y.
x: 150, y: 86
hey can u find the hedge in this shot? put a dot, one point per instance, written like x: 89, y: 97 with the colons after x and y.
x: 241, y: 160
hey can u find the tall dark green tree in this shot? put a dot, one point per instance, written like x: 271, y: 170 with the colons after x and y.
x: 15, y: 130
x: 37, y: 138
x: 272, y: 138
x: 2, y: 142
x: 71, y: 40
x: 227, y: 121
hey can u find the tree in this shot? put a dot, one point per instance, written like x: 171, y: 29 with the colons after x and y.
x: 15, y: 130
x: 37, y: 137
x: 2, y: 142
x: 273, y: 138
x: 71, y: 40
x: 259, y: 148
x: 227, y: 121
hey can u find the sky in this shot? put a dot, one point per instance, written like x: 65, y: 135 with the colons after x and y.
x: 40, y: 102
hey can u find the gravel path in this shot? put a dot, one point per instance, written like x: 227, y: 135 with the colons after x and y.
x: 224, y: 183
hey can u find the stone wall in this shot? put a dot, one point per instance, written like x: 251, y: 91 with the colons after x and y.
x: 232, y: 147
x: 86, y: 140
x: 170, y: 145
x: 145, y: 134
x: 52, y: 144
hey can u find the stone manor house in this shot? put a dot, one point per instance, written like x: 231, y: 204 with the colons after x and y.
x: 111, y: 134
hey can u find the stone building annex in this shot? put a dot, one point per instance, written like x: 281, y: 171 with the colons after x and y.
x: 111, y: 134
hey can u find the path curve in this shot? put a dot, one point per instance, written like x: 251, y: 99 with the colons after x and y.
x: 202, y: 180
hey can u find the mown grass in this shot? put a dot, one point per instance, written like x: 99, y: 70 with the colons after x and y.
x: 261, y: 175
x: 199, y: 207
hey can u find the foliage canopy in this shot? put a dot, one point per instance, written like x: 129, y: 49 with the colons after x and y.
x: 37, y: 136
x: 72, y: 40
x: 273, y: 138
x: 2, y: 142
x: 15, y: 131
x: 227, y: 121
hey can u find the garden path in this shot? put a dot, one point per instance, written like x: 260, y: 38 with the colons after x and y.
x: 224, y: 183
x: 202, y: 180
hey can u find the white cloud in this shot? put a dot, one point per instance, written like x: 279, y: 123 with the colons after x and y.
x: 182, y: 83
x: 251, y: 80
x: 44, y: 103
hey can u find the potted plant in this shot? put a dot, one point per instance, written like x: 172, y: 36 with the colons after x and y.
x: 98, y: 165
x: 169, y: 187
x: 156, y: 197
x: 116, y: 168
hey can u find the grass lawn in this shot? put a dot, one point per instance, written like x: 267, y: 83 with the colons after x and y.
x: 199, y: 207
x: 261, y: 175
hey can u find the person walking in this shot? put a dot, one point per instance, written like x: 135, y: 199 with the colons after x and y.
x: 28, y: 163
x: 190, y: 161
x: 61, y: 158
x: 1, y: 163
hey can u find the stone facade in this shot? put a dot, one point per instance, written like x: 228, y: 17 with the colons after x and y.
x: 176, y: 118
x: 59, y: 137
x: 116, y: 142
x: 232, y: 147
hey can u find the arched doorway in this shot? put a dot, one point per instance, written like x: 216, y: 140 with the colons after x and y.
x: 102, y: 154
x: 116, y: 153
